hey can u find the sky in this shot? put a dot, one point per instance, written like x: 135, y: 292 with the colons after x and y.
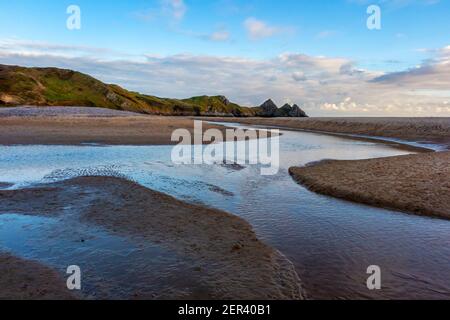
x: 319, y: 54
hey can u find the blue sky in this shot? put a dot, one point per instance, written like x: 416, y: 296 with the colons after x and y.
x: 414, y: 33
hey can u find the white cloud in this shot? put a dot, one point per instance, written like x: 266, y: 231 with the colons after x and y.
x: 432, y: 74
x: 257, y: 29
x: 299, y: 76
x: 395, y: 4
x: 325, y: 34
x: 323, y: 85
x: 18, y: 44
x: 234, y: 7
x: 174, y: 8
x: 220, y: 36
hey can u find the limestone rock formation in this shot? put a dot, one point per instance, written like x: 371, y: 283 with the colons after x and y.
x: 268, y: 109
x: 297, y: 112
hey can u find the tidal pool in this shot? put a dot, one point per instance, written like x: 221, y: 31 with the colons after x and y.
x: 331, y: 242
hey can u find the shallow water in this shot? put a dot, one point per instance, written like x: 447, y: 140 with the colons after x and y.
x: 331, y: 242
x: 112, y: 267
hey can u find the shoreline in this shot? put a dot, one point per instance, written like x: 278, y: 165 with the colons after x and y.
x: 421, y: 131
x: 29, y: 280
x: 84, y: 126
x: 417, y: 184
x: 132, y: 131
x: 5, y: 185
x: 98, y: 126
x: 230, y: 261
x: 400, y: 144
x: 382, y: 182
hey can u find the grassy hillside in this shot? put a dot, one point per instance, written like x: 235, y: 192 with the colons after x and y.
x: 58, y: 87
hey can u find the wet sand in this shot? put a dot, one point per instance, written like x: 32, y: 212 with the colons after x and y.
x: 28, y: 280
x: 4, y: 185
x: 75, y: 126
x: 433, y: 130
x: 232, y: 262
x: 418, y: 184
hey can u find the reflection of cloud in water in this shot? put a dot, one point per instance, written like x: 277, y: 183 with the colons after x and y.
x: 133, y: 268
x: 5, y: 185
x: 187, y: 189
x: 165, y: 183
x: 331, y: 242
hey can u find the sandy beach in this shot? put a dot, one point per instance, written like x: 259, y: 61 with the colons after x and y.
x: 418, y: 184
x: 4, y: 185
x: 232, y: 262
x: 28, y: 280
x: 214, y: 158
x: 74, y: 126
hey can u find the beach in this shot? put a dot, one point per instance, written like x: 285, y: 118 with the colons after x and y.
x: 28, y: 280
x: 431, y: 130
x: 218, y: 253
x: 230, y: 261
x: 76, y: 126
x: 418, y: 184
x: 199, y: 152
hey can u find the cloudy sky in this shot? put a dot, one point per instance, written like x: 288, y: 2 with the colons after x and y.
x: 318, y: 54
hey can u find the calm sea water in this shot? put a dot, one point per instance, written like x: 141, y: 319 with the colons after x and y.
x: 331, y: 242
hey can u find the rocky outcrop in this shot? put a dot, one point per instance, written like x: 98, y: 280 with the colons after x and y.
x: 270, y: 109
x: 224, y: 100
x: 297, y: 112
x: 284, y: 111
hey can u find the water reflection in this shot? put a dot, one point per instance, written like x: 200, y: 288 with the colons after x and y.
x: 112, y: 267
x: 331, y: 242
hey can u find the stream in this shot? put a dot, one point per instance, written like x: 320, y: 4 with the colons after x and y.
x: 330, y: 242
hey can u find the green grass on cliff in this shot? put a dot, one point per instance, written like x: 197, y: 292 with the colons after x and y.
x: 59, y: 87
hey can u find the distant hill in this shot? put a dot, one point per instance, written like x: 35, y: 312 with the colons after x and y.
x: 60, y: 87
